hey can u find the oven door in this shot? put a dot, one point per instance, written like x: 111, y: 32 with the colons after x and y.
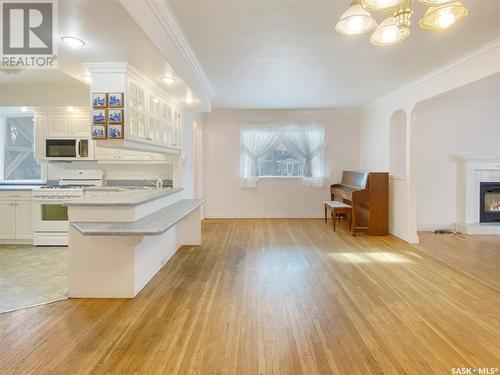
x: 50, y: 214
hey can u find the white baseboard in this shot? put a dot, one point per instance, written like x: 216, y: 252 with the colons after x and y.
x: 433, y: 227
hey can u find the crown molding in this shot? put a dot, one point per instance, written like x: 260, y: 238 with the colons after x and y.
x: 169, y: 22
x: 475, y: 53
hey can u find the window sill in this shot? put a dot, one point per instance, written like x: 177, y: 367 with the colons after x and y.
x: 280, y: 177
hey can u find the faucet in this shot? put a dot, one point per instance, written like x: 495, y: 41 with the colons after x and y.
x: 159, y: 183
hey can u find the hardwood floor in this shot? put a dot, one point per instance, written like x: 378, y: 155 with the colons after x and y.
x: 280, y: 297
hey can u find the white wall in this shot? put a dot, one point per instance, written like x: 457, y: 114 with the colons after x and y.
x: 375, y: 128
x: 44, y: 94
x: 445, y: 130
x: 273, y: 197
x: 185, y: 165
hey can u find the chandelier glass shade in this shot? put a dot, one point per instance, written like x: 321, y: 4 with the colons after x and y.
x: 355, y: 21
x: 434, y: 3
x: 389, y: 33
x: 443, y: 16
x: 376, y: 5
x: 395, y: 27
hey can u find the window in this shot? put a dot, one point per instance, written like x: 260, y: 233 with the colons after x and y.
x: 279, y: 161
x: 297, y: 151
x: 17, y: 157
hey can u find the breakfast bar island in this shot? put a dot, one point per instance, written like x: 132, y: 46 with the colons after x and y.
x: 118, y: 242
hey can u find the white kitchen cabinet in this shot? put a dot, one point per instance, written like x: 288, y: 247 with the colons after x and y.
x: 152, y: 119
x: 15, y: 216
x: 24, y: 225
x: 111, y: 154
x: 58, y: 126
x: 66, y: 125
x: 80, y: 126
x: 40, y: 129
x: 129, y: 155
x: 7, y: 220
x: 104, y: 153
x: 151, y: 115
x: 136, y: 112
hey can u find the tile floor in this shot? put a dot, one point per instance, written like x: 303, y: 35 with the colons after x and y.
x: 32, y: 275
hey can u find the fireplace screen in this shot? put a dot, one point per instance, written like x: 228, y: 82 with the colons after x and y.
x: 490, y: 202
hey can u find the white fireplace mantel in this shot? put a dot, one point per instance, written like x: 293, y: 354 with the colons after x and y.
x: 472, y: 170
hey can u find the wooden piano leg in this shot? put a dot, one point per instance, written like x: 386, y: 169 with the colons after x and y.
x: 349, y: 221
x: 326, y: 213
x: 333, y: 218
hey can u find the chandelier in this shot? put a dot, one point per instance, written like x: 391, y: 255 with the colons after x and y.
x: 395, y: 27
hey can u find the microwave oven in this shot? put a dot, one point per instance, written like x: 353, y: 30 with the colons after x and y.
x: 68, y: 148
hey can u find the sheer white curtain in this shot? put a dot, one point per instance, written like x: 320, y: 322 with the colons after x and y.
x: 309, y: 143
x: 254, y: 143
x: 306, y: 142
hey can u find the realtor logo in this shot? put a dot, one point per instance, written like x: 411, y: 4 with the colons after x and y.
x: 29, y: 34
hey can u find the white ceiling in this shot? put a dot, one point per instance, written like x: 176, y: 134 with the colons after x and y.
x: 285, y: 54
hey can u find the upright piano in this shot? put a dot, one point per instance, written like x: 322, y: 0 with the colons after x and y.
x: 368, y: 194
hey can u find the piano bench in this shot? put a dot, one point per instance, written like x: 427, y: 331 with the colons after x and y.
x: 338, y: 208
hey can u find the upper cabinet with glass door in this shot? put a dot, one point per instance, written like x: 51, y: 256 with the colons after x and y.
x: 151, y: 118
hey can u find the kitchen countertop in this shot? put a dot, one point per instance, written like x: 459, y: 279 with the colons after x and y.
x: 125, y: 197
x: 19, y: 187
x: 151, y: 225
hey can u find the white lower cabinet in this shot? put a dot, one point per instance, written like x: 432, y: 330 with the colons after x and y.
x: 7, y: 220
x: 16, y: 216
x: 24, y: 223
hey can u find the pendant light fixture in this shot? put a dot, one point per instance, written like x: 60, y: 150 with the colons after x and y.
x: 389, y: 33
x: 434, y: 3
x: 355, y: 21
x: 376, y: 5
x: 443, y: 16
x: 395, y: 27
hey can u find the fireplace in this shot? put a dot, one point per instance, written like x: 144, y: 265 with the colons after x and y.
x: 490, y: 202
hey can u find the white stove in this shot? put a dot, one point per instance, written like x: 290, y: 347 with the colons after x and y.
x: 50, y: 215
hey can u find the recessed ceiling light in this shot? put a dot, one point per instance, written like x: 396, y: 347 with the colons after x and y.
x: 87, y: 78
x: 73, y: 42
x: 24, y: 109
x: 70, y: 108
x: 189, y: 100
x: 168, y: 80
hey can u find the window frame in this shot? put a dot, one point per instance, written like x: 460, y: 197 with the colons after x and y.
x: 43, y: 166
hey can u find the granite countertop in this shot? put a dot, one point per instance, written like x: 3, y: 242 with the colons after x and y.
x: 125, y: 197
x: 151, y: 225
x: 18, y: 187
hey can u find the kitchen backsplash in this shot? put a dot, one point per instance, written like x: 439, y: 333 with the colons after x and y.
x: 116, y: 171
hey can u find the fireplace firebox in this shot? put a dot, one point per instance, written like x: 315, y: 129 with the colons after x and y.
x: 490, y: 202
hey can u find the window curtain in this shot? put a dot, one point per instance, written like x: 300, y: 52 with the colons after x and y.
x: 309, y: 143
x: 255, y: 142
